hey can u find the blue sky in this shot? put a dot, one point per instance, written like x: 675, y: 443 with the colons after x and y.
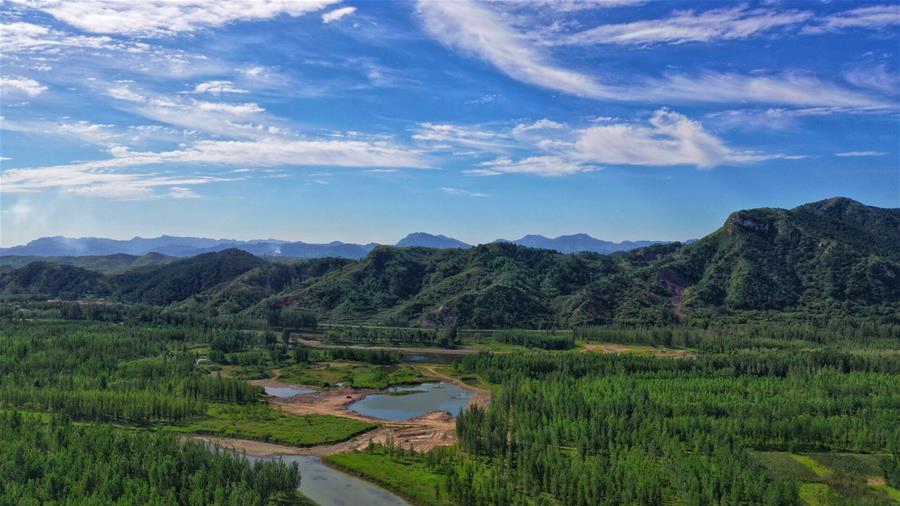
x: 363, y: 121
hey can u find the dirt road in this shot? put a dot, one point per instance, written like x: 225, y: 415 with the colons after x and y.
x: 614, y: 348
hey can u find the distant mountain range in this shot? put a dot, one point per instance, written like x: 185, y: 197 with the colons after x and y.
x: 827, y: 259
x: 189, y: 246
x: 577, y: 243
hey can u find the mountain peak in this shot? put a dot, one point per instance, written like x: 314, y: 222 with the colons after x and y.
x: 426, y: 240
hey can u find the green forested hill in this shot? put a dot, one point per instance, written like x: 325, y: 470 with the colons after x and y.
x: 179, y: 280
x: 834, y: 257
x: 105, y: 264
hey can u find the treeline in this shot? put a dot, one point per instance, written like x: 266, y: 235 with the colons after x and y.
x: 586, y: 429
x: 291, y: 318
x: 713, y: 336
x: 395, y: 336
x: 109, y: 373
x: 29, y: 308
x: 377, y: 357
x: 536, y: 339
x: 58, y: 463
x: 106, y: 406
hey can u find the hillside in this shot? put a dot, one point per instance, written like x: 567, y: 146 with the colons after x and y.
x: 106, y: 264
x: 179, y: 280
x: 834, y: 257
x: 54, y: 281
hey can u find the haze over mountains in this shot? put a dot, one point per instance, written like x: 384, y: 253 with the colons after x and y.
x: 189, y: 246
x: 831, y: 258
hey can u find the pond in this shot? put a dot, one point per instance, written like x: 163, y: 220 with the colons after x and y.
x: 287, y: 391
x: 330, y: 487
x: 403, y: 403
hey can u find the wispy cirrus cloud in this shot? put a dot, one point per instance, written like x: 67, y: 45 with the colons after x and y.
x: 229, y: 119
x: 479, y: 31
x: 461, y: 192
x: 729, y: 23
x: 875, y: 77
x: 870, y: 17
x: 447, y: 136
x: 111, y: 177
x: 541, y: 124
x: 857, y: 154
x: 156, y: 18
x: 544, y: 165
x: 101, y: 134
x: 689, y: 26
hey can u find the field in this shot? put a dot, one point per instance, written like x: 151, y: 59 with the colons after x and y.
x: 833, y: 478
x: 405, y: 473
x: 350, y: 374
x: 269, y: 425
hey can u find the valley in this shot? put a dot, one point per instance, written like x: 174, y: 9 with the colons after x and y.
x: 750, y: 402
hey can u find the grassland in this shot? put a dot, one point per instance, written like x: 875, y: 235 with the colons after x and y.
x: 404, y: 474
x: 265, y: 424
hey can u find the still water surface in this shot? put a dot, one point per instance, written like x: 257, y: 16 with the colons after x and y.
x: 414, y: 401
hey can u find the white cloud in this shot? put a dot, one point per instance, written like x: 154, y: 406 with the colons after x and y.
x: 162, y: 17
x: 689, y: 26
x: 107, y: 135
x: 874, y: 17
x: 182, y: 192
x: 669, y: 139
x: 479, y: 31
x: 21, y: 86
x: 232, y: 109
x: 875, y: 77
x: 254, y: 71
x: 124, y: 93
x: 242, y: 119
x: 217, y: 88
x: 460, y: 192
x: 112, y: 178
x: 337, y: 14
x: 775, y: 118
x: 446, y: 136
x: 791, y: 89
x: 575, y: 5
x: 550, y: 166
x: 20, y: 36
x: 541, y: 124
x: 860, y: 153
x: 469, y: 27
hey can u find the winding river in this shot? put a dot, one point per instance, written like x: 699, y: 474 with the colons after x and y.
x: 330, y: 487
